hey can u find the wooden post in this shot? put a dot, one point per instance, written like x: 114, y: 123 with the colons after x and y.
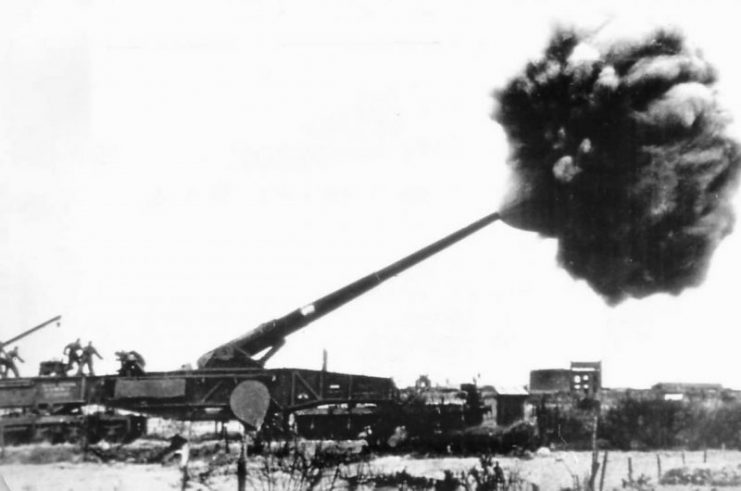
x: 684, y: 462
x: 242, y: 464
x: 705, y: 456
x: 595, y: 452
x: 630, y: 470
x: 225, y: 435
x: 602, y: 472
x: 184, y: 459
x: 2, y: 440
x: 658, y: 468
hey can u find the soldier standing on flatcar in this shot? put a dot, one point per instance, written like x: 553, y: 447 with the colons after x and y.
x: 7, y: 360
x: 87, y: 358
x: 3, y: 355
x: 73, y: 351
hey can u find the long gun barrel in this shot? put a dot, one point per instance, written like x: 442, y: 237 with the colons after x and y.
x: 271, y: 335
x: 32, y: 330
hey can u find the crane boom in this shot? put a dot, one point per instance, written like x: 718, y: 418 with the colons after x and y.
x: 22, y: 335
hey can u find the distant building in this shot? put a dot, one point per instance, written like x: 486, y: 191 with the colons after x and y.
x: 680, y: 391
x: 705, y: 394
x: 586, y: 377
x: 507, y: 405
x: 550, y: 380
x: 582, y: 378
x: 511, y: 404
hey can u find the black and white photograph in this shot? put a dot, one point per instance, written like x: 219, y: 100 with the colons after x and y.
x: 370, y: 245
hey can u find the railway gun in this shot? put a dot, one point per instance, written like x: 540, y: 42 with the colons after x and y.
x: 231, y: 381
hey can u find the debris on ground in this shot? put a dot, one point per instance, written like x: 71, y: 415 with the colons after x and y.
x: 704, y: 476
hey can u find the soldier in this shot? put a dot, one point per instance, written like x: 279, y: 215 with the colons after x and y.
x: 3, y: 355
x: 132, y: 363
x: 7, y: 360
x: 125, y: 364
x: 73, y: 351
x: 87, y: 358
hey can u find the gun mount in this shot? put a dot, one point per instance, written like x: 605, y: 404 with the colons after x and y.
x: 22, y: 335
x: 271, y: 335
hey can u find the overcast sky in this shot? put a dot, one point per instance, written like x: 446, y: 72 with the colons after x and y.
x: 172, y: 174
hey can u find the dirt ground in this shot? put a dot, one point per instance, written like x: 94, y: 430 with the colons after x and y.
x: 554, y: 471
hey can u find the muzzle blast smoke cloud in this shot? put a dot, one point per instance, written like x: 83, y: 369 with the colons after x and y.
x: 620, y: 153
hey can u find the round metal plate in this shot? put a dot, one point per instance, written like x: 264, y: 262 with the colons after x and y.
x: 249, y: 402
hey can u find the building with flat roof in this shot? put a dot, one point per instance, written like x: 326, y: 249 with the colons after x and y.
x: 581, y: 378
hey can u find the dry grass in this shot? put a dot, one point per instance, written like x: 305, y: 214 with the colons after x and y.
x: 43, y: 469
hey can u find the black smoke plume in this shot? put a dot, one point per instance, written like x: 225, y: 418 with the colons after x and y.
x: 621, y: 154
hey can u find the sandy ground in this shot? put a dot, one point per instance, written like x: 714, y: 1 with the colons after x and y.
x: 550, y: 472
x: 92, y: 477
